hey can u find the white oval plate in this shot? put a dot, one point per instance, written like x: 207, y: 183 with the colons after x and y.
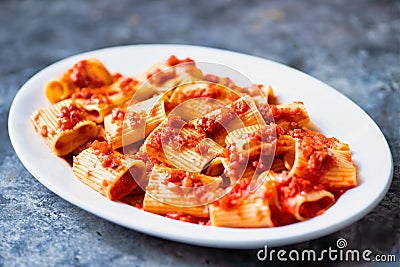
x: 333, y: 113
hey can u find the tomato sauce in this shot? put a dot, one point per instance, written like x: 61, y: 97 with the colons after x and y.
x: 315, y: 208
x: 137, y: 118
x: 211, y: 91
x: 187, y: 218
x: 188, y: 140
x: 173, y: 60
x: 289, y: 186
x: 44, y: 132
x: 237, y: 163
x: 327, y: 142
x: 82, y: 77
x: 266, y: 134
x: 69, y: 116
x: 93, y: 95
x: 117, y: 114
x: 280, y: 217
x: 286, y: 113
x: 183, y: 178
x: 236, y: 196
x: 128, y: 85
x: 105, y: 153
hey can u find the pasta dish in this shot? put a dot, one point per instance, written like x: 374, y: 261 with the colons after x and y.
x: 192, y: 146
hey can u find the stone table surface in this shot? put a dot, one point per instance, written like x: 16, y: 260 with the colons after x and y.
x: 351, y: 45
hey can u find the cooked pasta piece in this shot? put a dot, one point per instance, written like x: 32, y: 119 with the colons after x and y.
x: 124, y: 128
x: 163, y: 76
x: 89, y: 73
x: 218, y: 123
x: 107, y: 171
x: 253, y: 140
x: 253, y: 213
x: 278, y: 165
x: 310, y: 204
x: 175, y: 190
x: 181, y: 145
x: 259, y: 92
x: 288, y: 116
x: 317, y: 158
x: 242, y: 208
x: 64, y: 126
x: 343, y: 173
x: 209, y: 91
x: 217, y: 166
x: 288, y: 158
x: 98, y: 102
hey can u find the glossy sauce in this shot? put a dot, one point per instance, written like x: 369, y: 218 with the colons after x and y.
x: 69, y: 116
x: 173, y: 60
x: 105, y: 153
x: 82, y: 77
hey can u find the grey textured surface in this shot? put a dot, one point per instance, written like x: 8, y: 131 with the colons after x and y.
x: 353, y: 46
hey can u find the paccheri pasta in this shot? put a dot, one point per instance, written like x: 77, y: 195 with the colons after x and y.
x: 193, y: 147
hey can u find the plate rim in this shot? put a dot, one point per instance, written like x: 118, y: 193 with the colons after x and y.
x: 202, y: 241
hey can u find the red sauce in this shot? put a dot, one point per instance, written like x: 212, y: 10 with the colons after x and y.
x: 155, y: 140
x: 286, y: 113
x: 188, y: 140
x: 187, y: 218
x: 240, y: 107
x: 117, y: 114
x: 128, y: 85
x: 216, y: 124
x: 266, y: 134
x: 81, y: 76
x: 315, y: 208
x: 319, y: 162
x: 44, y: 132
x: 236, y: 196
x: 125, y: 184
x: 315, y: 149
x: 93, y: 95
x: 211, y: 91
x: 173, y: 60
x: 153, y: 111
x: 105, y: 153
x: 116, y: 77
x: 69, y: 116
x: 337, y: 192
x: 327, y: 142
x: 183, y: 178
x: 280, y: 218
x: 137, y: 118
x: 237, y: 163
x: 208, y: 125
x: 37, y: 116
x: 289, y: 187
x: 167, y: 134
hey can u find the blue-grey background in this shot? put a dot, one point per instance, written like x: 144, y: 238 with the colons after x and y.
x: 353, y: 46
